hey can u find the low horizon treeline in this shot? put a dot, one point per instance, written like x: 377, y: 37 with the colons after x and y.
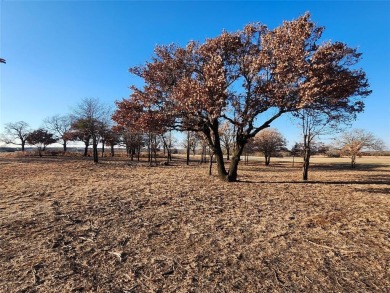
x: 333, y: 153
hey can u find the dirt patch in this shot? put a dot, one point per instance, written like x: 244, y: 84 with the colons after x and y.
x: 67, y: 225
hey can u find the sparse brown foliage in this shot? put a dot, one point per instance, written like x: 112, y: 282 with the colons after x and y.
x: 269, y: 141
x: 356, y: 140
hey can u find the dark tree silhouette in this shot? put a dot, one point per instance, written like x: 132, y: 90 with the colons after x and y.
x: 40, y: 138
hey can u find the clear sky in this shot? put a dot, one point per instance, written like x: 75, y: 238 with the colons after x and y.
x: 59, y: 52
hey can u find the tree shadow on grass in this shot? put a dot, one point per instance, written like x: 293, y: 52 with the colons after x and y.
x: 376, y: 190
x: 286, y: 167
x: 325, y: 182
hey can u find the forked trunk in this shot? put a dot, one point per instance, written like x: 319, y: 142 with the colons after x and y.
x: 220, y: 164
x: 233, y: 167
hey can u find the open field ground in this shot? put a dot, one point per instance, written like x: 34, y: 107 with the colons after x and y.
x: 67, y: 225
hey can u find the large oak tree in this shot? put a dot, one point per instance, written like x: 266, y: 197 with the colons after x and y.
x: 248, y: 78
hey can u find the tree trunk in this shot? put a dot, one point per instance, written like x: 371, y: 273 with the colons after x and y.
x: 23, y: 144
x: 64, y: 145
x: 95, y: 151
x: 40, y: 152
x: 211, y: 164
x: 167, y: 150
x: 112, y: 151
x: 227, y: 153
x: 306, y: 156
x: 155, y: 155
x: 220, y: 164
x: 267, y: 160
x: 169, y: 156
x: 103, y: 144
x: 233, y: 167
x: 353, y: 161
x: 150, y: 150
x: 306, y: 162
x: 86, y: 149
x: 188, y: 148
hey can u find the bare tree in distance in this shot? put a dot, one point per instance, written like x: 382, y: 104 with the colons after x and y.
x: 60, y: 125
x: 168, y: 140
x: 190, y: 144
x: 269, y: 141
x: 16, y: 133
x: 227, y: 138
x: 355, y: 141
x: 317, y: 121
x: 248, y: 78
x: 90, y: 115
x: 40, y: 138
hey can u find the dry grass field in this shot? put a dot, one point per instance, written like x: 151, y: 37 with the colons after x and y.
x: 67, y: 225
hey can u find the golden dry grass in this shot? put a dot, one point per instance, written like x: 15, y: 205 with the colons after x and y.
x: 67, y: 225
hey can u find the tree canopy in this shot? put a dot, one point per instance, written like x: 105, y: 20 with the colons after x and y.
x: 356, y: 140
x: 41, y: 138
x: 269, y: 141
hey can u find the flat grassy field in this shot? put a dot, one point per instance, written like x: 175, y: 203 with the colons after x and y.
x: 67, y: 225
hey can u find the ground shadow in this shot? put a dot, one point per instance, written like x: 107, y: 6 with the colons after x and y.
x: 326, y: 182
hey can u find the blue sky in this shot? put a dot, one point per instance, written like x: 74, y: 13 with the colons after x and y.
x: 59, y: 52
